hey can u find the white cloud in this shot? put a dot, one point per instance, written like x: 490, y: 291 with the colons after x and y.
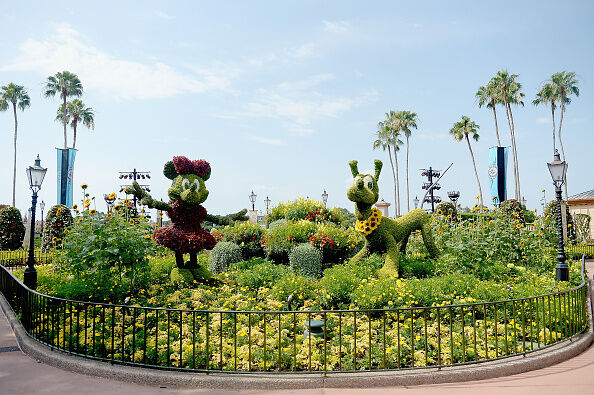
x: 163, y: 15
x: 306, y: 83
x: 267, y: 141
x: 301, y: 51
x: 543, y: 120
x: 336, y: 26
x: 66, y: 49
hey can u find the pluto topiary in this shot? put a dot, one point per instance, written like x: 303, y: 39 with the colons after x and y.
x: 12, y: 229
x: 57, y: 221
x: 306, y: 260
x: 188, y: 190
x: 223, y: 255
x: 384, y: 234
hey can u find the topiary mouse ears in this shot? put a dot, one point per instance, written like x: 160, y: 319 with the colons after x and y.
x: 182, y: 165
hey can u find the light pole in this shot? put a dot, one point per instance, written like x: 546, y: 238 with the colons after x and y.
x: 109, y: 199
x: 558, y: 171
x: 325, y: 197
x: 42, y: 206
x: 253, y: 200
x: 416, y: 201
x: 523, y: 201
x: 134, y: 176
x: 35, y: 174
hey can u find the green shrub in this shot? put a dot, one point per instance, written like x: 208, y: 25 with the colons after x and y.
x: 513, y: 208
x: 550, y: 214
x: 446, y: 209
x: 108, y: 249
x: 57, y: 221
x: 279, y: 241
x: 247, y: 236
x: 306, y: 260
x: 12, y: 229
x: 302, y: 288
x: 222, y: 255
x: 336, y: 243
x: 582, y: 227
x: 308, y: 209
x: 339, y: 282
x: 416, y: 266
x: 258, y: 273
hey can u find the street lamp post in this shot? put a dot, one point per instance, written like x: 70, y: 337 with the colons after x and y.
x: 558, y: 171
x: 35, y: 174
x: 325, y: 197
x: 42, y: 206
x: 416, y: 201
x: 253, y: 200
x: 523, y: 201
x: 267, y: 202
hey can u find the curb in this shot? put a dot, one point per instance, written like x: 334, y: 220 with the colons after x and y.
x: 175, y: 379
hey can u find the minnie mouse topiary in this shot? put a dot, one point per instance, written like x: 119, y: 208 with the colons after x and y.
x: 185, y: 234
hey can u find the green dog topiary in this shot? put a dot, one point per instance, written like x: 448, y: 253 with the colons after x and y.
x: 12, y: 229
x: 306, y: 259
x: 384, y: 234
x: 223, y: 255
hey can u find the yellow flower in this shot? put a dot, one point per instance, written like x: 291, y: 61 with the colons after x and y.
x: 147, y: 236
x: 477, y: 196
x: 126, y: 201
x: 84, y: 186
x: 92, y: 212
x: 112, y: 195
x: 74, y: 207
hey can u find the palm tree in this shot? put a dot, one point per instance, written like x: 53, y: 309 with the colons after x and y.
x: 461, y: 130
x: 18, y: 96
x: 76, y: 112
x: 66, y: 84
x: 489, y: 95
x: 509, y: 92
x: 384, y: 141
x: 565, y: 84
x: 407, y: 120
x: 548, y: 95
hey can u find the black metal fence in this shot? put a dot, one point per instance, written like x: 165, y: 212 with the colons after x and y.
x: 581, y: 249
x: 13, y: 260
x: 276, y: 341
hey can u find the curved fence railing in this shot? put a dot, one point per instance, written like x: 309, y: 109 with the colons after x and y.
x: 279, y: 341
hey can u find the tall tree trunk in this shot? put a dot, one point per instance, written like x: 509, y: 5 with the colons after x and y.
x: 475, y: 172
x: 553, y: 114
x: 515, y: 153
x: 15, y: 156
x: 64, y: 117
x: 407, y: 188
x: 496, y: 127
x: 560, y: 141
x: 74, y: 133
x: 393, y: 174
x: 397, y: 203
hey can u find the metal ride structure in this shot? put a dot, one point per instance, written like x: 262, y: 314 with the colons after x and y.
x: 135, y: 176
x: 430, y: 186
x: 274, y: 341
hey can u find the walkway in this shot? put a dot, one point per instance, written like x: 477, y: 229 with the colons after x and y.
x: 20, y: 374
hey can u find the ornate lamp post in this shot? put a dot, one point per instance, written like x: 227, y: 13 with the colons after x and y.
x: 252, y: 197
x: 523, y: 201
x: 558, y: 171
x: 267, y: 202
x: 416, y: 201
x: 42, y: 206
x: 325, y: 197
x: 454, y: 195
x: 35, y: 174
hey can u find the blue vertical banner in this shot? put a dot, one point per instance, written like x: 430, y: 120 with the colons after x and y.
x: 65, y: 170
x: 498, y: 174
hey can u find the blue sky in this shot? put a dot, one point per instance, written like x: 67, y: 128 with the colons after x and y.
x: 279, y: 96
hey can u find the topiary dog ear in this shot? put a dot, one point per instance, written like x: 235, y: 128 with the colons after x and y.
x: 378, y: 168
x: 169, y: 170
x: 354, y: 170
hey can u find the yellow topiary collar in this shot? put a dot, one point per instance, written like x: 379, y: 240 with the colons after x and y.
x: 369, y: 225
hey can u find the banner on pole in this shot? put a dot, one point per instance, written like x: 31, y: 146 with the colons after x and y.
x: 497, y: 174
x: 65, y: 170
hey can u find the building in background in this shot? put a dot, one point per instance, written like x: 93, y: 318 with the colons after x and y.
x: 583, y: 203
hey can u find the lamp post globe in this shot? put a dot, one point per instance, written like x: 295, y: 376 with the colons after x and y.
x: 558, y: 169
x: 35, y: 174
x: 252, y: 197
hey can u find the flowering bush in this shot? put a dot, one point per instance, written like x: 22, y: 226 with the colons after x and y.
x: 246, y: 235
x: 280, y: 240
x: 57, y: 221
x: 308, y: 209
x: 12, y: 229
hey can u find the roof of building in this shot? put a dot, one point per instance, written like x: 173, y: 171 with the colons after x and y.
x: 583, y: 195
